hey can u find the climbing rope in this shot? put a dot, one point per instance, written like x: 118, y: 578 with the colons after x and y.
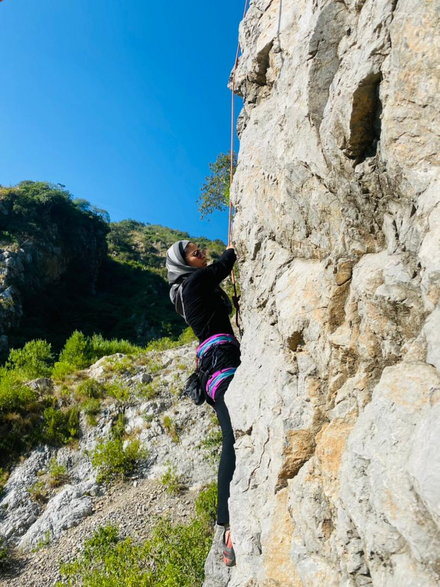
x: 235, y: 297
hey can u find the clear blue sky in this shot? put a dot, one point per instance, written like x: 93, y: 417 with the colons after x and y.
x: 125, y: 103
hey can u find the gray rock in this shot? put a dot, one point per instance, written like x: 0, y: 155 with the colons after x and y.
x: 338, y: 233
x: 63, y: 511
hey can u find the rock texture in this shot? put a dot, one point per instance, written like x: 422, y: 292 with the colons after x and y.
x: 337, y: 228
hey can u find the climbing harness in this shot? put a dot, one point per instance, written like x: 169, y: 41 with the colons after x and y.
x: 217, y: 360
x: 212, y: 353
x: 215, y: 339
x: 235, y: 297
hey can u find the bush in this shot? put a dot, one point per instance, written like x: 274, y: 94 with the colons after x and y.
x: 100, y: 347
x: 60, y: 426
x: 119, y: 392
x: 81, y: 351
x: 38, y: 492
x: 91, y: 408
x: 4, y: 476
x: 171, y: 481
x: 14, y: 394
x: 215, y: 192
x: 91, y: 388
x: 4, y: 552
x: 163, y: 344
x: 148, y: 390
x: 61, y: 369
x: 20, y: 416
x: 206, y: 503
x: 57, y: 473
x: 115, y: 461
x: 77, y: 351
x: 33, y: 360
x: 171, y: 428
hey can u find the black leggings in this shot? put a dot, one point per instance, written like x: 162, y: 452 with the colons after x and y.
x: 227, y: 460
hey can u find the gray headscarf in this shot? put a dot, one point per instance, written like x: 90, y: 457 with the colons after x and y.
x: 177, y: 267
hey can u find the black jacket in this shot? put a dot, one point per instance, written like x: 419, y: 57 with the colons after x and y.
x: 206, y: 305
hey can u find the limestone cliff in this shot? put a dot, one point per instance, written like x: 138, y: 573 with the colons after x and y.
x: 336, y: 404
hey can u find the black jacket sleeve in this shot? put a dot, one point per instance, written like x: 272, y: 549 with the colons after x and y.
x: 217, y: 271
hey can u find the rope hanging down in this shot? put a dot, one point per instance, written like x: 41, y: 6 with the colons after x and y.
x: 235, y: 297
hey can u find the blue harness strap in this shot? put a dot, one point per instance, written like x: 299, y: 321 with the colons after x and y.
x: 214, y: 340
x: 217, y: 379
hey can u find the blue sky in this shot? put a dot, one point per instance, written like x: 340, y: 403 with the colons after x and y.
x: 125, y: 103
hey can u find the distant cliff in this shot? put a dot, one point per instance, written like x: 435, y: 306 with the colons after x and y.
x: 336, y: 403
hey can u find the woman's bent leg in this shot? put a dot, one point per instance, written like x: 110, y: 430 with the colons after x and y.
x: 227, y: 460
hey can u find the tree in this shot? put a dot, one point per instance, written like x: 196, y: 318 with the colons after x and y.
x: 215, y: 190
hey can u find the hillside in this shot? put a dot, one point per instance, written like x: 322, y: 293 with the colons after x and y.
x: 65, y: 267
x: 123, y: 462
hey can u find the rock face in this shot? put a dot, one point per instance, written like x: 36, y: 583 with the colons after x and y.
x: 337, y: 192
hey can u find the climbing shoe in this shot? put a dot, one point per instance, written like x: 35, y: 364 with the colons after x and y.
x: 228, y: 549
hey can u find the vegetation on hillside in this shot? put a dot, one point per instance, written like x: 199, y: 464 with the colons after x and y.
x: 112, y: 279
x: 48, y: 412
x: 174, y: 554
x: 31, y: 207
x: 31, y: 415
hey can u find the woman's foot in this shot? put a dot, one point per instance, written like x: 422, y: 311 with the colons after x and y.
x: 228, y: 549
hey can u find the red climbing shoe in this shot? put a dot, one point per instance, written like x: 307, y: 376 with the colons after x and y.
x: 228, y: 549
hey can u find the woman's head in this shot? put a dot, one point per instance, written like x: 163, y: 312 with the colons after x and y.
x: 183, y: 257
x: 195, y: 256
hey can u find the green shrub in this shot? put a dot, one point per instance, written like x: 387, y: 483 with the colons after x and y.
x: 100, y: 347
x: 215, y: 191
x: 14, y: 394
x: 116, y: 461
x: 154, y: 366
x: 44, y: 541
x: 4, y: 552
x: 91, y: 408
x: 118, y: 391
x: 61, y: 425
x: 33, y: 360
x: 187, y: 336
x: 206, y: 503
x: 81, y: 351
x: 38, y: 491
x: 173, y: 556
x: 166, y: 343
x: 91, y: 388
x: 124, y: 365
x: 77, y: 351
x: 171, y: 428
x: 61, y: 369
x: 20, y: 416
x: 57, y: 473
x: 148, y: 390
x: 171, y: 481
x: 4, y: 476
x: 212, y: 442
x: 118, y: 428
x: 107, y: 561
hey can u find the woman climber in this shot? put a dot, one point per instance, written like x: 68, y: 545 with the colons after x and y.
x: 197, y: 296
